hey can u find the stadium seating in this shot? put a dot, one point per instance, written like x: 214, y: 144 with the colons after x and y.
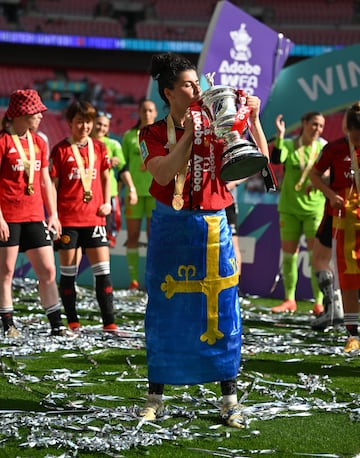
x: 333, y: 123
x: 15, y: 77
x: 120, y: 95
x: 184, y: 10
x: 320, y: 22
x: 66, y: 7
x: 126, y: 83
x: 73, y: 26
x: 170, y: 30
x: 322, y: 36
x: 324, y: 22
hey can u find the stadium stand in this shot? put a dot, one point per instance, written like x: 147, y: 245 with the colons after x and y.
x: 170, y: 30
x: 312, y: 22
x: 12, y: 78
x: 117, y: 93
x: 65, y: 7
x: 322, y: 36
x: 184, y: 10
x: 320, y: 22
x: 309, y: 12
x: 73, y: 26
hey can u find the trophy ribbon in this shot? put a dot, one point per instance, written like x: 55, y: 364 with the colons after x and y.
x: 310, y: 163
x: 355, y: 167
x: 241, y: 122
x: 242, y: 115
x: 177, y: 201
x: 29, y: 163
x: 86, y: 174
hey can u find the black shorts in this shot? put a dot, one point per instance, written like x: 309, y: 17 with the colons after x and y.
x: 84, y: 237
x: 324, y: 232
x: 28, y: 235
x: 231, y: 217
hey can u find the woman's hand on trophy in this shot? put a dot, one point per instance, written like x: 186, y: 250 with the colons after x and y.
x: 254, y: 103
x: 188, y: 122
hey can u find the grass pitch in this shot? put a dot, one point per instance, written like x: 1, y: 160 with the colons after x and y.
x: 63, y: 397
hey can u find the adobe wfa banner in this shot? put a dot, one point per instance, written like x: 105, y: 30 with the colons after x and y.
x: 242, y: 52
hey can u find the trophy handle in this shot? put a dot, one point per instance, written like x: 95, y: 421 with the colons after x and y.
x: 267, y: 172
x: 269, y: 178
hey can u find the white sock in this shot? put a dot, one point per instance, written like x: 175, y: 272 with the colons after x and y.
x: 230, y: 399
x: 155, y: 397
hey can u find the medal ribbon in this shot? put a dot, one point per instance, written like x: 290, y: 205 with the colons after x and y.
x: 310, y: 163
x: 29, y: 163
x: 178, y: 201
x: 85, y: 174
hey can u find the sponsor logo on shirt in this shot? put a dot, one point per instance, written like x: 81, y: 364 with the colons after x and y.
x: 19, y: 166
x: 144, y: 150
x: 75, y: 174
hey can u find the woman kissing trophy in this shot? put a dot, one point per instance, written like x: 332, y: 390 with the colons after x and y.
x: 241, y: 157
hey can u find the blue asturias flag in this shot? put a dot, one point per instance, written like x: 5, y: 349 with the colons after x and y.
x: 193, y: 322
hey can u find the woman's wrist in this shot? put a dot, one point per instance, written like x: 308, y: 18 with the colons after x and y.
x: 279, y: 142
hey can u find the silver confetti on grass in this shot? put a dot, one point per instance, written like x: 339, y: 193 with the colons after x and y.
x: 298, y: 338
x: 313, y: 382
x: 115, y: 435
x: 355, y: 415
x: 319, y: 455
x: 75, y: 424
x: 239, y: 453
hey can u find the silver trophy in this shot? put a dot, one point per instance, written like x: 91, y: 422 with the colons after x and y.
x: 241, y: 158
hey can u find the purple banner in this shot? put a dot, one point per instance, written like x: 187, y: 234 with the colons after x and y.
x: 259, y: 240
x: 243, y: 52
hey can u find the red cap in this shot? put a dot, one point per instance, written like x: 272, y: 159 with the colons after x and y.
x: 24, y: 102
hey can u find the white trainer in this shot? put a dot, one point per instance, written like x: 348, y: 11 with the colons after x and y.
x: 232, y: 415
x: 152, y: 409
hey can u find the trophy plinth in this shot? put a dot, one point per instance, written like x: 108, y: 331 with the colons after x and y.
x: 241, y: 158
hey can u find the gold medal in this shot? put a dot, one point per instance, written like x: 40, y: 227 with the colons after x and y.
x: 30, y: 189
x: 87, y: 196
x: 86, y: 175
x: 177, y: 202
x: 298, y: 186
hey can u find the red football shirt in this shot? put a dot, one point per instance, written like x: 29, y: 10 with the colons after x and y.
x: 336, y: 156
x: 72, y: 209
x: 214, y: 194
x: 16, y: 205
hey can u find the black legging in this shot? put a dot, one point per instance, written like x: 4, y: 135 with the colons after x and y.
x: 228, y: 387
